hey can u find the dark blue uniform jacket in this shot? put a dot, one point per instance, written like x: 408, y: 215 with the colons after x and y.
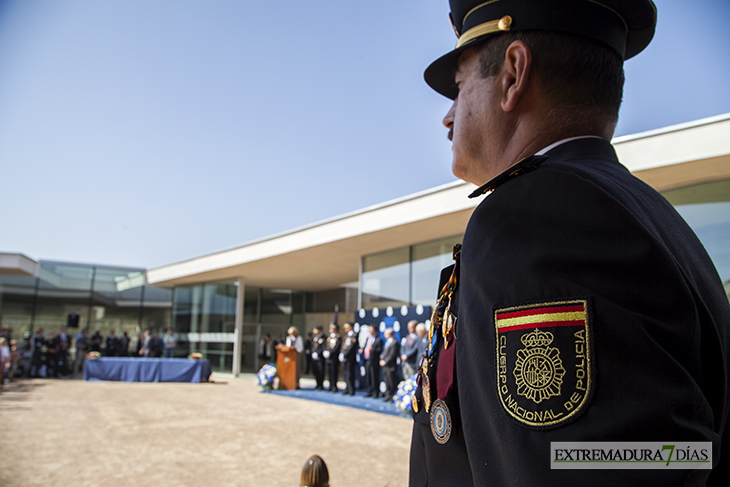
x: 587, y: 310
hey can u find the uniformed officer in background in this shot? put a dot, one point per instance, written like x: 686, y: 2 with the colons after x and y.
x: 331, y: 354
x: 317, y: 358
x: 581, y: 306
x: 348, y: 357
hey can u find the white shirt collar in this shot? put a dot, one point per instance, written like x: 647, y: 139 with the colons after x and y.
x: 560, y: 142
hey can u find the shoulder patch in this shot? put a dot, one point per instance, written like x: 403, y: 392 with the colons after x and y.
x: 544, y: 361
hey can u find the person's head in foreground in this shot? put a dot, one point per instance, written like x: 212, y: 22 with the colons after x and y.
x: 315, y: 473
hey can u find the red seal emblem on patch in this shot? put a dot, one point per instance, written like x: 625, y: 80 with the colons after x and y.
x: 544, y: 361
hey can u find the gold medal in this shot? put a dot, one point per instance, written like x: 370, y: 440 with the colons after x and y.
x: 435, y: 322
x: 446, y: 322
x: 426, y: 387
x: 414, y: 403
x: 440, y: 422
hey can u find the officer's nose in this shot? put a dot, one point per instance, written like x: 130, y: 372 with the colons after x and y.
x: 448, y: 120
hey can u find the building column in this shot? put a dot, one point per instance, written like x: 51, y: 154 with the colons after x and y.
x: 238, y: 331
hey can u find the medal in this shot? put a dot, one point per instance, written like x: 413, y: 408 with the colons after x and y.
x: 448, y: 324
x: 414, y: 403
x: 426, y: 388
x: 442, y: 327
x: 440, y: 422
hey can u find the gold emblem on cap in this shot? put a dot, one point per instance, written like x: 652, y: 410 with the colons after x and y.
x: 504, y: 23
x: 499, y: 25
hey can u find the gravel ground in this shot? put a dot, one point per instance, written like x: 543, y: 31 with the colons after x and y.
x: 226, y: 433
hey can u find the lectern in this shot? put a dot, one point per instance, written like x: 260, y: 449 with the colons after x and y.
x: 287, y: 364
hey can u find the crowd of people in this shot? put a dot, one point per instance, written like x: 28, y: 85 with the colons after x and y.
x: 58, y: 354
x: 388, y: 360
x: 34, y: 355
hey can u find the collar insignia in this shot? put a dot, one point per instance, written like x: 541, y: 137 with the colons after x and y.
x: 525, y: 165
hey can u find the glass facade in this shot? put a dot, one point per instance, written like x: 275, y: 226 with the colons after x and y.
x: 204, y: 319
x: 18, y: 302
x: 385, y: 279
x: 406, y: 276
x: 426, y: 263
x: 100, y: 298
x: 706, y: 207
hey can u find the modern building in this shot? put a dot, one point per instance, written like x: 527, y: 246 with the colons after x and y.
x: 381, y: 263
x: 49, y: 295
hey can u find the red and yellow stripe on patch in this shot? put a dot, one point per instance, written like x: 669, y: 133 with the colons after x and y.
x: 571, y: 313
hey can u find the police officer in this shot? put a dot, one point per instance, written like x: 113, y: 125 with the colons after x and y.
x: 331, y: 354
x: 348, y: 357
x: 581, y: 306
x: 318, y: 344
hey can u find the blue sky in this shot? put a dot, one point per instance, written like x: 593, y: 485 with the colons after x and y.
x: 144, y: 132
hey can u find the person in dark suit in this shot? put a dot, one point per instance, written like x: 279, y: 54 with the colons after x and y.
x: 111, y: 345
x: 96, y: 341
x: 331, y: 354
x: 123, y: 345
x: 317, y: 358
x: 581, y: 307
x: 39, y: 343
x: 389, y: 363
x: 371, y: 353
x: 83, y: 346
x: 64, y: 345
x: 348, y: 357
x: 409, y: 352
x: 51, y: 355
x: 308, y: 352
x: 422, y: 333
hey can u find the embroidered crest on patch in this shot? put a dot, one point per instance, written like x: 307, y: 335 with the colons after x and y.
x: 543, y: 361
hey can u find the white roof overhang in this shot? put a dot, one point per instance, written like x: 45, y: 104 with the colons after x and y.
x: 327, y: 254
x: 12, y: 264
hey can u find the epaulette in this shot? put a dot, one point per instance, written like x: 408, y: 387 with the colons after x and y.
x: 525, y: 165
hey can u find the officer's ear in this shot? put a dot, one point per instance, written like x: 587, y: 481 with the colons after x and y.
x: 515, y: 75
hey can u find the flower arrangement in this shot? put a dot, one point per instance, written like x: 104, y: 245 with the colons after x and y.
x: 404, y: 395
x: 93, y: 355
x: 266, y: 377
x: 195, y: 356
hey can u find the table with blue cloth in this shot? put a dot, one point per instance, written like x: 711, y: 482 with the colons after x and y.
x: 147, y: 369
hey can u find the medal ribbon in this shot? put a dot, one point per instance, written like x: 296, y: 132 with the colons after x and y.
x: 441, y: 322
x: 445, y: 370
x: 442, y: 304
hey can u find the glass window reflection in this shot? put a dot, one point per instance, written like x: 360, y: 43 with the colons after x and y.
x: 428, y: 260
x: 706, y: 208
x: 385, y: 279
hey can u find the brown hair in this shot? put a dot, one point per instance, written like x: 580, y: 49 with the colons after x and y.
x: 575, y: 73
x: 315, y: 473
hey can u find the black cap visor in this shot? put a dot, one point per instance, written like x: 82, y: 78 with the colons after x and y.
x: 572, y: 17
